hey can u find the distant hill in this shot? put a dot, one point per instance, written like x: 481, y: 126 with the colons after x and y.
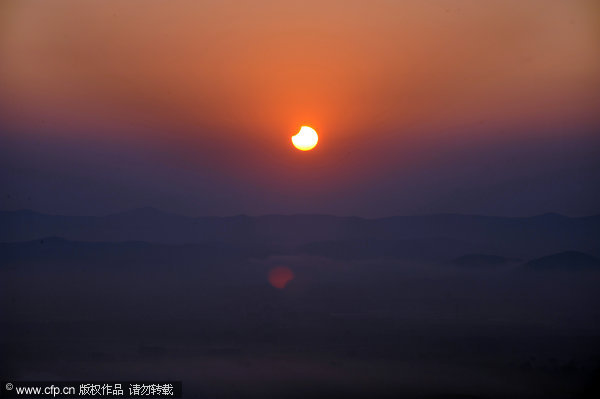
x: 481, y: 260
x: 513, y: 237
x: 60, y: 250
x: 567, y: 260
x: 55, y: 249
x: 415, y: 248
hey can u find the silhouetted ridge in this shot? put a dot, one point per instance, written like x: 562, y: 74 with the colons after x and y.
x: 422, y: 248
x: 56, y: 249
x: 346, y: 237
x: 568, y: 260
x: 480, y: 260
x: 146, y: 212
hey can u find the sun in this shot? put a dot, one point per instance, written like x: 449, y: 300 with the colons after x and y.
x: 306, y: 139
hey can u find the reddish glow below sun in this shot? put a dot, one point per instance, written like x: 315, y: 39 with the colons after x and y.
x: 280, y: 276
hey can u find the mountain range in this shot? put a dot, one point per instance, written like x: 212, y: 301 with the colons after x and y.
x: 442, y: 236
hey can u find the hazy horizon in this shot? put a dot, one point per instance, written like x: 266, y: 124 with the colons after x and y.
x: 151, y: 208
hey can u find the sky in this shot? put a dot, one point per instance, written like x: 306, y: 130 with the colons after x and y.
x: 421, y: 107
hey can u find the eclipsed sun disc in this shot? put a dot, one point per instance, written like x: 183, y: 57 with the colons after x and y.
x: 306, y: 139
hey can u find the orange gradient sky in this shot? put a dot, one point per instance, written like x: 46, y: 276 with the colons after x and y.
x: 222, y: 85
x: 345, y: 66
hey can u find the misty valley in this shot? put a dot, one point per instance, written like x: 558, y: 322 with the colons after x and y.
x: 371, y: 307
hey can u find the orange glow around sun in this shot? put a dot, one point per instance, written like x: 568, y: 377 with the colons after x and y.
x: 306, y: 139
